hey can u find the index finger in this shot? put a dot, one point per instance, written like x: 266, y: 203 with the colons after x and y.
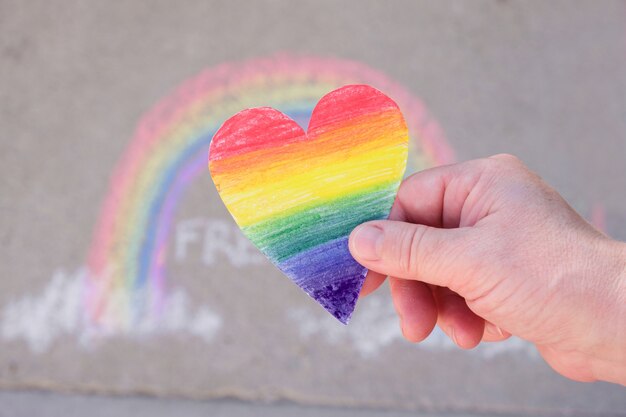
x: 435, y: 197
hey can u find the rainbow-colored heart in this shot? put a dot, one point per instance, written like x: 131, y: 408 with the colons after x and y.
x: 297, y: 195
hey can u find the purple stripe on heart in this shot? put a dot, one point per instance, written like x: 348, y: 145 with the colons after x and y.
x: 316, y: 272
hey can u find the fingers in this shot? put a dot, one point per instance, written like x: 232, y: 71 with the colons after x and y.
x: 420, y: 309
x: 373, y: 280
x: 464, y: 327
x: 415, y: 306
x: 410, y: 251
x: 429, y: 238
x: 435, y: 197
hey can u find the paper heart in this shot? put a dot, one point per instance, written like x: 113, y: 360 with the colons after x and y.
x: 297, y: 196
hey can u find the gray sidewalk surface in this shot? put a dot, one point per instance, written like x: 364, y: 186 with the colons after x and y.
x: 177, y: 304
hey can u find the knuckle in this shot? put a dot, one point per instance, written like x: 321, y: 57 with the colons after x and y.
x: 503, y: 167
x: 508, y: 162
x: 411, y: 248
x: 506, y: 158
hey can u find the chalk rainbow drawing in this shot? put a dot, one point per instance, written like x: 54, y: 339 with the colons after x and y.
x: 297, y: 195
x: 168, y: 151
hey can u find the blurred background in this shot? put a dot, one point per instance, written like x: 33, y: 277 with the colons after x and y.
x: 125, y: 286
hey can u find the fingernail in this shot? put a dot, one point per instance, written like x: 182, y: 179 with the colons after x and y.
x: 402, y: 325
x: 453, y: 334
x: 367, y: 242
x: 493, y: 329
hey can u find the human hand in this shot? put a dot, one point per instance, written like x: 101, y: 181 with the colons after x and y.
x: 486, y: 249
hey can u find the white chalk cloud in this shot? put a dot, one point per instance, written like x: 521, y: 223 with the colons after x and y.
x: 58, y: 311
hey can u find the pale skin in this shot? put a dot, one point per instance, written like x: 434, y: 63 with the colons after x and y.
x: 486, y: 249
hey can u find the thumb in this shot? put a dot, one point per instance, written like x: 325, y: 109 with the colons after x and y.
x: 410, y: 251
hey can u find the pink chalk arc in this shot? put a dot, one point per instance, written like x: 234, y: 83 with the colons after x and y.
x: 127, y: 260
